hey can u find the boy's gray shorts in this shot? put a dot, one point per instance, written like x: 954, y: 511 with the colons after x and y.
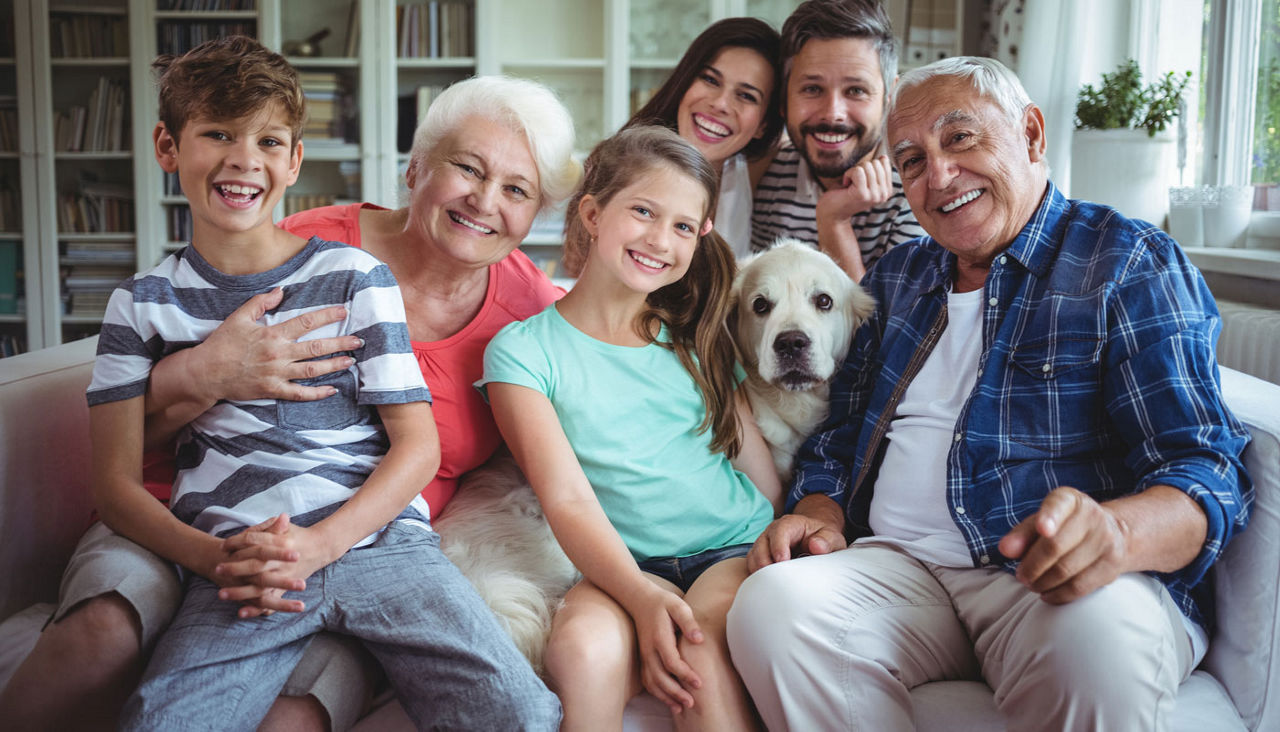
x: 336, y: 670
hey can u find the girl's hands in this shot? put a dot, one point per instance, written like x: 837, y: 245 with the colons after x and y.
x: 661, y: 617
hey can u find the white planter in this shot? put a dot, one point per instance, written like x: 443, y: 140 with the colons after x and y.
x: 1125, y: 169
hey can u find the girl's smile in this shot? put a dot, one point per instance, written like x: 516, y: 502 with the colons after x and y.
x: 646, y: 234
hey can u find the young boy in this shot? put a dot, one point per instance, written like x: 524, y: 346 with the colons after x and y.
x: 357, y: 556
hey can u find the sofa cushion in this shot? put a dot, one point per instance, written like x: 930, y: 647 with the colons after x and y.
x: 1245, y: 645
x: 45, y: 504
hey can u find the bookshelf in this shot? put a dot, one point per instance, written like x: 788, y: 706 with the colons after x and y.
x: 84, y: 185
x: 13, y: 306
x: 76, y: 210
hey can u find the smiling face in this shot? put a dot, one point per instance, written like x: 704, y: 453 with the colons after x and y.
x: 474, y: 196
x: 973, y: 176
x: 724, y: 108
x: 835, y: 105
x: 646, y: 234
x: 232, y: 172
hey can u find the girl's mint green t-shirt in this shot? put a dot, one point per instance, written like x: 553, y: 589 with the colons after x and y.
x: 632, y: 417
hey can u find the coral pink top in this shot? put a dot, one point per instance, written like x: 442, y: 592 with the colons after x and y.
x: 468, y: 434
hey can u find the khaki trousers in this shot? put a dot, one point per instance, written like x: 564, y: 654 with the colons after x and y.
x: 836, y: 642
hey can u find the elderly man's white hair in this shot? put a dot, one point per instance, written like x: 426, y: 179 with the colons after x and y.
x: 522, y: 105
x: 988, y: 76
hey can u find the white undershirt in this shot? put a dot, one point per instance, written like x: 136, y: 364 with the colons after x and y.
x: 733, y: 212
x: 909, y: 505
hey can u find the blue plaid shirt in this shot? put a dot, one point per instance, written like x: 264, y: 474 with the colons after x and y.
x: 1097, y: 371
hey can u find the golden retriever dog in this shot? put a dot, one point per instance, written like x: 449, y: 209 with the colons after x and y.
x: 794, y: 315
x: 494, y: 531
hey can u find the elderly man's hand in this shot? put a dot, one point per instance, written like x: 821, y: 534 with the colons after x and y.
x: 1070, y: 547
x: 814, y: 528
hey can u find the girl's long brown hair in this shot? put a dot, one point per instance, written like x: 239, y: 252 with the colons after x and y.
x: 695, y: 308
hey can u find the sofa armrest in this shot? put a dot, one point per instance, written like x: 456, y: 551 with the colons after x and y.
x: 45, y: 503
x: 1244, y: 653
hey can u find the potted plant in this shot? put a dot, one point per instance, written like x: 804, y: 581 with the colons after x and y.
x: 1123, y: 152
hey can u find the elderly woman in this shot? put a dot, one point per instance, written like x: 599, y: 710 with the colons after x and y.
x: 491, y: 153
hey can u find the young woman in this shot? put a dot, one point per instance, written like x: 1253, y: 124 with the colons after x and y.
x: 723, y: 97
x: 620, y: 404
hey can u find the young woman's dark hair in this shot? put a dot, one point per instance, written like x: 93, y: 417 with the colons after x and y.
x: 749, y: 33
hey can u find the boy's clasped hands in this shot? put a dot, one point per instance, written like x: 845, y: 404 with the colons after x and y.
x: 265, y: 561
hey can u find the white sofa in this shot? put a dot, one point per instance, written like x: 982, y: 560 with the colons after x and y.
x: 44, y: 505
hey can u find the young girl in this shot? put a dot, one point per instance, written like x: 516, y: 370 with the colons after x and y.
x: 723, y: 97
x: 620, y: 404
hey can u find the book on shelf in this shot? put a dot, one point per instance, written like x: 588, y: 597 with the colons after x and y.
x: 331, y: 109
x: 10, y: 215
x: 11, y: 344
x: 351, y: 48
x: 306, y: 201
x: 179, y: 36
x: 410, y: 109
x: 180, y: 224
x: 8, y: 123
x: 82, y: 33
x: 6, y: 36
x: 88, y: 251
x: 207, y: 5
x: 96, y: 206
x: 99, y: 127
x: 95, y: 277
x: 10, y: 269
x: 548, y: 263
x: 172, y: 185
x: 89, y: 303
x: 435, y: 29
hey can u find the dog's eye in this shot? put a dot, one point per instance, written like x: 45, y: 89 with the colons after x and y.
x: 761, y: 305
x: 822, y: 301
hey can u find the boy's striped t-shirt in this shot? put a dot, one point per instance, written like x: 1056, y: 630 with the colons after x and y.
x: 242, y: 462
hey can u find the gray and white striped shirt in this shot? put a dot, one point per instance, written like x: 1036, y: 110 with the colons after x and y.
x: 242, y: 462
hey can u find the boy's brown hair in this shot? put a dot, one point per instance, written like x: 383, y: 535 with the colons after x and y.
x: 227, y: 78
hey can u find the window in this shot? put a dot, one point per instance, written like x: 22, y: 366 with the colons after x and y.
x: 1240, y: 99
x: 1265, y: 162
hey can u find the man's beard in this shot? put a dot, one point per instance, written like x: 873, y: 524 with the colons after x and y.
x: 829, y: 166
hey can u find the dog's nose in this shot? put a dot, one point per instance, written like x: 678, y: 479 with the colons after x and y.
x: 790, y: 343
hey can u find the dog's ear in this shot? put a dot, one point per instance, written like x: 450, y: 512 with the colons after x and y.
x: 731, y: 320
x: 860, y: 304
x: 735, y: 294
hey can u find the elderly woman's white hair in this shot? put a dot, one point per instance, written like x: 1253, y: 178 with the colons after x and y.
x: 524, y: 106
x: 988, y: 76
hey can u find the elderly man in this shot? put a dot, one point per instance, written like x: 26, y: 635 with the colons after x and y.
x: 830, y: 184
x: 1028, y: 442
